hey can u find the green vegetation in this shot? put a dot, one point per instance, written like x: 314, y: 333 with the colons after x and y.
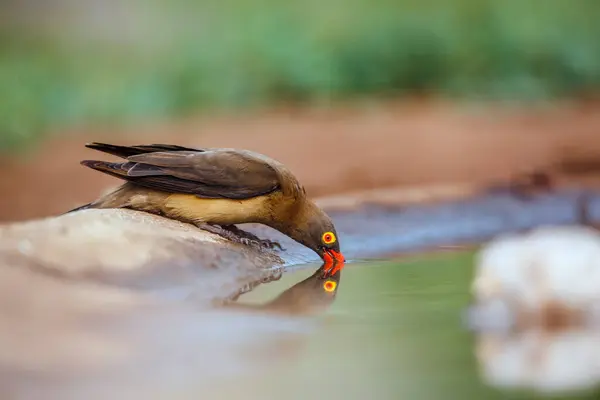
x: 193, y: 55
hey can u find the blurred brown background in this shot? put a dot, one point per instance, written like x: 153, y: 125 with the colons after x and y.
x: 351, y: 95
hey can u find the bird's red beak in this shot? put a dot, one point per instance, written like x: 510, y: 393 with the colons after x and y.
x: 334, y: 262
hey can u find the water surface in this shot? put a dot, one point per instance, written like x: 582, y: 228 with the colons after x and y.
x: 394, y: 331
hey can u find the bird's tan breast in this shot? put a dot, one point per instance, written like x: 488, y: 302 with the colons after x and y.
x: 218, y: 211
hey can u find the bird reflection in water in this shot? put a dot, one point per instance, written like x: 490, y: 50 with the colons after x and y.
x: 310, y: 296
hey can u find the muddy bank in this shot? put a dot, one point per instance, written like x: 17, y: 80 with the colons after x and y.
x: 332, y: 151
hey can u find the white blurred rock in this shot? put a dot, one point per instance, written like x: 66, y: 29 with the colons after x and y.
x: 540, y: 360
x: 551, y: 271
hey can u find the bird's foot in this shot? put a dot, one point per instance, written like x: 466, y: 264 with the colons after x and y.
x: 237, y: 235
x: 220, y: 231
x: 253, y: 240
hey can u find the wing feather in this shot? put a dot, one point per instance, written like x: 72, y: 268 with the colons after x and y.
x: 212, y: 173
x: 126, y: 151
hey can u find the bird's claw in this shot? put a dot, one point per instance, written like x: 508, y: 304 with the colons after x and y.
x: 235, y: 234
x: 260, y: 243
x: 270, y: 244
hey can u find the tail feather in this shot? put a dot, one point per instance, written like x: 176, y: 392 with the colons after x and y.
x: 118, y: 170
x: 127, y: 151
x: 119, y: 197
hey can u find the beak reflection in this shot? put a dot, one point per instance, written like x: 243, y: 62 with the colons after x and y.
x: 333, y: 262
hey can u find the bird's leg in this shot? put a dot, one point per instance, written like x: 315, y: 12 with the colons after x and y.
x: 270, y: 244
x: 234, y: 234
x: 218, y: 230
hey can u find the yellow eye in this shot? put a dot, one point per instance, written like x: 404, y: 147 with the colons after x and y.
x: 328, y: 237
x: 329, y: 286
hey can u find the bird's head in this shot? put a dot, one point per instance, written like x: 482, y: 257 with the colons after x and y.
x: 328, y: 247
x: 317, y: 232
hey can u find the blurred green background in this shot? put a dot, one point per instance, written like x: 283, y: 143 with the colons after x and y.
x: 65, y: 62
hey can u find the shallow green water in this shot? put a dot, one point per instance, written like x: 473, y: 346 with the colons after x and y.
x: 394, y: 331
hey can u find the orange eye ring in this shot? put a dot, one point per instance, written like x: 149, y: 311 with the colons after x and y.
x: 328, y: 237
x: 330, y: 286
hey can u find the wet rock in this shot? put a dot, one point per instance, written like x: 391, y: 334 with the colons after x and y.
x: 69, y: 285
x: 134, y: 250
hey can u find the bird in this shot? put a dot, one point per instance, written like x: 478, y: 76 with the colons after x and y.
x: 215, y: 189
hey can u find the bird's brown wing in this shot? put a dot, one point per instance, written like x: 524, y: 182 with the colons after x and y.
x: 218, y: 173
